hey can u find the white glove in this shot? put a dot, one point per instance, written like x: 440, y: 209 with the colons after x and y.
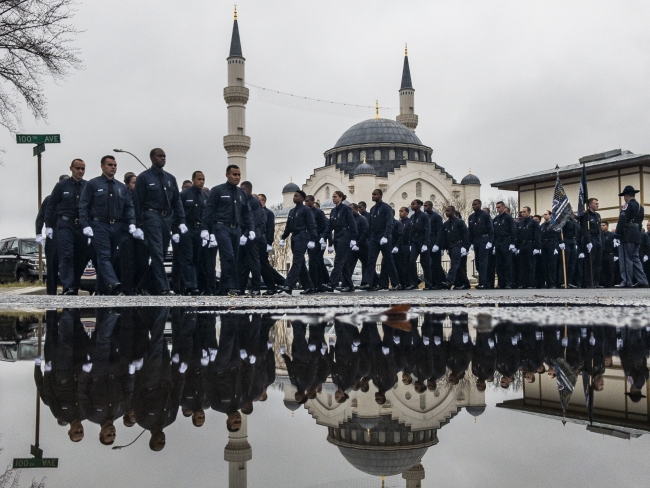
x: 182, y: 228
x: 39, y: 239
x: 435, y: 248
x: 396, y: 339
x: 517, y: 252
x: 281, y: 242
x: 205, y: 360
x: 645, y: 258
x: 49, y: 232
x: 311, y: 245
x: 330, y: 249
x: 562, y: 246
x: 48, y: 367
x: 589, y: 246
x: 423, y: 248
x: 204, y: 242
x: 243, y: 240
x: 536, y: 252
x: 268, y: 248
x: 512, y: 248
x: 436, y: 340
x: 176, y: 358
x: 425, y: 340
x: 213, y: 241
x: 352, y: 244
x: 494, y: 251
x: 182, y: 368
x: 243, y: 354
x: 385, y: 351
x: 355, y: 248
x: 252, y: 359
x: 283, y: 350
x: 617, y: 242
x: 581, y: 255
x: 555, y: 251
x: 38, y: 361
x: 138, y: 364
x: 176, y: 238
x: 205, y: 235
x: 322, y: 241
x: 131, y: 229
x: 138, y: 234
x: 311, y: 347
x: 89, y: 240
x: 471, y: 248
x: 395, y: 250
x: 323, y: 246
x: 564, y: 342
x: 251, y: 235
x: 213, y: 354
x: 87, y: 367
x: 615, y: 258
x: 463, y: 251
x: 88, y: 231
x: 131, y: 368
x: 383, y: 241
x: 488, y: 245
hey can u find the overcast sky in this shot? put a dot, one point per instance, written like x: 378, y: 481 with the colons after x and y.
x: 503, y: 87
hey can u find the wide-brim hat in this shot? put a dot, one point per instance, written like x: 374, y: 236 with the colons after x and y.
x: 628, y: 190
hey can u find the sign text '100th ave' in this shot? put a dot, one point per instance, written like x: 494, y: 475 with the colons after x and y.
x: 38, y: 138
x: 36, y: 463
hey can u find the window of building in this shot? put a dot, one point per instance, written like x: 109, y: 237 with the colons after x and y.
x: 416, y: 156
x: 405, y: 155
x: 456, y: 194
x: 350, y: 156
x: 327, y: 192
x: 338, y: 159
x: 404, y: 195
x: 377, y: 154
x: 392, y: 205
x: 391, y: 155
x: 362, y: 156
x: 418, y: 189
x: 432, y: 198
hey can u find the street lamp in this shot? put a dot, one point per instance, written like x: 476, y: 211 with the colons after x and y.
x: 123, y: 151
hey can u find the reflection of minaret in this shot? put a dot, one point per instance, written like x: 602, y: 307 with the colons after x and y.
x: 414, y: 476
x: 236, y: 143
x: 237, y: 452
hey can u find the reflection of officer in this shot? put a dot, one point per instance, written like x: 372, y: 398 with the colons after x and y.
x: 484, y: 359
x: 481, y: 235
x: 105, y: 211
x: 63, y: 211
x: 455, y: 239
x: 51, y: 251
x: 343, y: 229
x: 628, y: 230
x: 193, y: 242
x: 344, y: 357
x: 156, y: 199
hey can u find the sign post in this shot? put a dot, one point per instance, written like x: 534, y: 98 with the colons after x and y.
x: 40, y: 140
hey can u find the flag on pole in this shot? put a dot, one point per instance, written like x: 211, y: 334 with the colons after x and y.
x: 583, y: 196
x: 561, y: 208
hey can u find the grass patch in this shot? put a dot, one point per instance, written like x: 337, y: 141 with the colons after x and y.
x: 26, y: 284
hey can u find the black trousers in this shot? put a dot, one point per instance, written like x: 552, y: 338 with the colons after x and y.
x: 526, y: 265
x: 607, y: 274
x: 316, y: 266
x: 191, y: 258
x: 157, y: 234
x: 454, y: 258
x: 571, y: 258
x: 134, y: 259
x: 461, y: 276
x: 268, y: 272
x: 492, y: 267
x: 342, y: 249
x: 549, y: 265
x: 228, y: 241
x: 52, y: 263
x: 416, y: 251
x: 107, y: 242
x: 596, y: 257
x: 481, y: 257
x: 249, y: 265
x: 298, y: 266
x: 503, y: 261
x: 210, y: 270
x: 374, y: 248
x: 72, y: 245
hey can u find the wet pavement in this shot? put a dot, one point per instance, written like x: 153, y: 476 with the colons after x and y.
x: 346, y: 396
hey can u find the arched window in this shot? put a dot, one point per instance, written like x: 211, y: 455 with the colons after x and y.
x: 327, y: 192
x: 404, y: 195
x: 391, y: 154
x: 338, y: 159
x: 350, y: 156
x: 362, y: 155
x: 416, y: 156
x: 377, y: 154
x: 405, y: 155
x: 418, y: 189
x: 392, y: 205
x: 432, y: 197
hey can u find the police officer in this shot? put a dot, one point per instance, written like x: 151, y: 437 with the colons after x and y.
x: 193, y: 243
x: 271, y: 277
x: 361, y: 254
x: 492, y: 261
x: 51, y: 251
x: 249, y: 253
x: 317, y: 270
x: 363, y: 210
x: 550, y: 239
x: 381, y: 227
x: 608, y: 274
x: 644, y: 250
x: 592, y: 241
x: 628, y: 231
x: 343, y: 229
x: 226, y: 212
x: 437, y: 273
x: 528, y: 245
x: 505, y: 235
x: 133, y: 252
x: 570, y: 234
x: 105, y: 213
x: 419, y: 241
x: 63, y: 211
x: 402, y: 251
x: 455, y: 239
x: 301, y: 226
x: 156, y: 200
x: 397, y: 240
x: 176, y: 279
x: 481, y: 235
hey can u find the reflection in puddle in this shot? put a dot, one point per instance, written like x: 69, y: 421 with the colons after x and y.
x: 382, y: 385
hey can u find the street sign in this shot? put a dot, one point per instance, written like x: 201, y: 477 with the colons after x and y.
x: 38, y: 149
x: 36, y: 463
x: 38, y: 138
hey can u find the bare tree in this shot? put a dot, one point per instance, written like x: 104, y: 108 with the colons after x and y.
x: 280, y: 255
x: 511, y: 202
x: 35, y: 37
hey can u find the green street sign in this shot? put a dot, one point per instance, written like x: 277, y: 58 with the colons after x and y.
x: 38, y: 149
x: 36, y: 463
x: 38, y: 138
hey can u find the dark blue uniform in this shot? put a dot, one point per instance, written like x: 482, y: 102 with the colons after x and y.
x: 343, y: 228
x: 527, y: 242
x: 593, y: 234
x: 156, y: 199
x: 301, y: 226
x: 505, y: 235
x: 397, y: 240
x: 437, y: 273
x: 317, y: 269
x: 226, y: 213
x: 455, y: 237
x: 420, y: 235
x: 51, y: 251
x: 63, y: 211
x: 570, y: 234
x: 481, y: 233
x: 550, y: 239
x: 249, y: 253
x: 106, y: 207
x: 192, y: 252
x: 269, y: 274
x: 381, y: 227
x: 628, y: 229
x: 609, y: 267
x: 363, y: 228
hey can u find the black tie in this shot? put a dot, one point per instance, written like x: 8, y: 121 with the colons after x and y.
x: 161, y: 176
x: 111, y: 201
x: 233, y: 193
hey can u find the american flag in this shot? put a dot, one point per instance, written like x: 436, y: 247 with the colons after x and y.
x: 561, y: 207
x: 583, y: 195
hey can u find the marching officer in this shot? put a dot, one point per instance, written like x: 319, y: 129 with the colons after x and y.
x: 419, y: 241
x: 105, y: 213
x: 249, y: 253
x: 528, y: 245
x: 226, y: 212
x: 550, y: 239
x: 317, y: 270
x: 481, y: 235
x: 505, y: 235
x: 343, y: 229
x: 271, y: 277
x: 570, y: 233
x: 193, y: 242
x: 63, y: 211
x: 628, y: 231
x: 156, y: 200
x: 402, y: 251
x: 593, y: 242
x: 455, y: 239
x: 608, y: 267
x: 437, y: 273
x: 361, y: 254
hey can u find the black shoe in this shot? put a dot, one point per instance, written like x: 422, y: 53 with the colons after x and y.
x: 193, y: 292
x: 398, y: 288
x: 233, y: 292
x: 346, y: 289
x: 620, y: 285
x: 269, y: 292
x: 481, y: 287
x: 573, y: 287
x: 507, y: 287
x: 115, y: 289
x: 640, y: 285
x: 329, y: 288
x: 308, y: 291
x: 365, y: 287
x: 256, y: 293
x: 285, y: 289
x: 460, y: 287
x: 446, y: 285
x: 410, y: 287
x: 68, y: 292
x: 167, y: 293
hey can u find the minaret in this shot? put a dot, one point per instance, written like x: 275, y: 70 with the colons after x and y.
x: 236, y: 143
x: 414, y: 476
x: 407, y: 97
x: 238, y: 452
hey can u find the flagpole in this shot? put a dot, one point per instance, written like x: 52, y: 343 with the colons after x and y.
x: 563, y: 259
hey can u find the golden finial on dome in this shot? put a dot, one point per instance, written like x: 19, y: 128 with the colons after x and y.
x: 376, y: 109
x: 406, y: 49
x: 235, y: 11
x: 470, y: 171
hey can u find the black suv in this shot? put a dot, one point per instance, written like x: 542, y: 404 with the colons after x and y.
x: 19, y: 260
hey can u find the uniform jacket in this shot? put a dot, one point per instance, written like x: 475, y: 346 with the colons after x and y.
x: 300, y: 219
x: 40, y: 218
x: 342, y: 221
x: 436, y: 227
x: 64, y: 200
x: 629, y: 223
x: 321, y: 222
x: 479, y: 225
x: 528, y: 231
x: 157, y: 190
x: 548, y: 236
x: 194, y: 201
x: 455, y: 232
x: 504, y: 228
x: 420, y: 232
x: 363, y: 230
x: 269, y: 231
x: 590, y: 227
x: 381, y: 221
x: 98, y: 195
x: 228, y: 204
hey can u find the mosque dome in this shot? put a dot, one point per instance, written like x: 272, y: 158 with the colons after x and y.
x: 382, y: 462
x: 373, y: 131
x: 290, y: 187
x: 368, y: 422
x: 470, y: 179
x: 292, y: 405
x: 364, y: 169
x: 475, y: 411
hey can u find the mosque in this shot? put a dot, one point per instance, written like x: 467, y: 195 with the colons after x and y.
x: 375, y: 153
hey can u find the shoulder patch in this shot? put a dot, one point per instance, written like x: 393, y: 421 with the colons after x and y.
x: 625, y: 207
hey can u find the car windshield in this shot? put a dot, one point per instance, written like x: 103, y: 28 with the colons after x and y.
x: 30, y: 247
